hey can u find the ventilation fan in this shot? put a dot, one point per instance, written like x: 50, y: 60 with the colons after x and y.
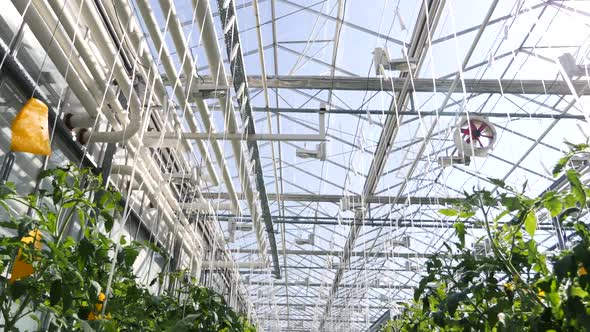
x: 475, y: 136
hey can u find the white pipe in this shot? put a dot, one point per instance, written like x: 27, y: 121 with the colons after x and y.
x: 169, y: 67
x: 103, y: 44
x: 153, y: 195
x: 57, y: 56
x: 41, y: 31
x: 177, y: 34
x: 73, y: 33
x: 166, y: 192
x: 89, y: 56
x: 155, y: 75
x: 73, y: 120
x: 139, y: 42
x: 194, y: 177
x: 205, y: 206
x: 153, y: 139
x: 209, y: 38
x: 110, y: 54
x: 211, y: 265
x: 168, y: 196
x: 45, y: 26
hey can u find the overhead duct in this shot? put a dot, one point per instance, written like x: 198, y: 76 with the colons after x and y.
x: 209, y: 39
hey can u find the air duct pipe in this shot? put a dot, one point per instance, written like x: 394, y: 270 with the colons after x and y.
x: 57, y: 56
x: 158, y: 87
x: 77, y: 121
x: 103, y: 44
x: 154, y: 30
x: 138, y: 42
x: 42, y: 33
x: 46, y: 27
x: 204, y: 206
x: 169, y: 216
x: 209, y: 39
x: 91, y: 57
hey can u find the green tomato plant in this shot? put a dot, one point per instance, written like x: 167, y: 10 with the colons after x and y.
x: 189, y: 307
x: 56, y: 262
x: 516, y: 286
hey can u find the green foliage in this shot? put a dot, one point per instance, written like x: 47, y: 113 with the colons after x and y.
x: 515, y: 287
x: 70, y: 274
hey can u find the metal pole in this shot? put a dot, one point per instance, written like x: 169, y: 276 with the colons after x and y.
x: 426, y: 113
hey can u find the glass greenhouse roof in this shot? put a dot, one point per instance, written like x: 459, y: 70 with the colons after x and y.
x: 332, y: 40
x: 355, y: 214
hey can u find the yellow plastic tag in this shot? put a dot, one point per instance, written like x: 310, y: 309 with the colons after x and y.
x: 21, y: 268
x: 30, y: 129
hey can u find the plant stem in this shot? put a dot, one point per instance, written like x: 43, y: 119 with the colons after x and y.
x: 511, y: 269
x: 65, y: 224
x: 9, y: 324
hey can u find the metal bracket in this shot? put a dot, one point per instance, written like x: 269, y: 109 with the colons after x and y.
x: 570, y: 67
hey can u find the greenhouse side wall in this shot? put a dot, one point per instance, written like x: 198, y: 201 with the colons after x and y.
x: 142, y: 222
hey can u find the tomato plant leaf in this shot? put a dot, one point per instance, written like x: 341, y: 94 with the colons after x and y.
x: 109, y: 221
x: 460, y: 231
x: 449, y: 212
x: 67, y: 297
x: 530, y: 223
x: 55, y: 292
x: 553, y: 205
x: 511, y: 203
x: 577, y: 188
x: 558, y: 168
x: 498, y: 182
x: 453, y: 301
x: 564, y: 266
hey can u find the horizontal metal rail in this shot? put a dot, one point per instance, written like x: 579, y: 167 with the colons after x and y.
x: 426, y: 113
x: 368, y: 222
x: 503, y: 86
x: 293, y: 197
x: 479, y: 86
x: 159, y: 138
x: 339, y: 253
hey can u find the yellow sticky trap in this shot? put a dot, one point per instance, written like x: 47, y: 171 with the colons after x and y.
x: 30, y: 129
x: 22, y: 268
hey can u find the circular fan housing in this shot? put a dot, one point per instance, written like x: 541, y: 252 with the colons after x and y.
x: 474, y: 136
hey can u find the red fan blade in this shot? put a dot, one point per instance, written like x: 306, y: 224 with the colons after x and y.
x: 480, y: 144
x: 483, y: 126
x: 465, y: 131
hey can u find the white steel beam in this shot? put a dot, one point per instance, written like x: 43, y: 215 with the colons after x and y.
x: 505, y: 86
x: 296, y: 197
